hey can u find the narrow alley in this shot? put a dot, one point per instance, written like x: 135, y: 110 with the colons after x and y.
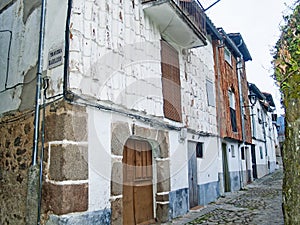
x: 258, y: 203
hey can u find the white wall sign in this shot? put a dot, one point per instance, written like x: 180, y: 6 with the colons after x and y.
x: 55, y: 57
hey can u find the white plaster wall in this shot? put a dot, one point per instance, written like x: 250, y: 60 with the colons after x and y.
x: 24, y: 49
x: 208, y: 165
x: 259, y: 144
x: 23, y: 54
x: 271, y: 139
x: 115, y: 55
x: 178, y: 162
x: 99, y: 136
x: 234, y: 163
x: 259, y: 129
x: 56, y: 11
x: 196, y: 67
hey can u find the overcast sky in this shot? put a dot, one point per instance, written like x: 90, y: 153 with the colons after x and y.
x: 258, y: 21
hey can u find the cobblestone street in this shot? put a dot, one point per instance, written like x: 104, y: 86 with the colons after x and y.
x: 258, y: 204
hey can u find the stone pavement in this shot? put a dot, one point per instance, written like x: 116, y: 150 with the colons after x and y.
x: 259, y: 203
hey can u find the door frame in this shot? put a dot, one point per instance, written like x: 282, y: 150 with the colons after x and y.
x: 159, y: 140
x: 254, y: 162
x: 193, y: 171
x: 137, y: 146
x: 226, y: 174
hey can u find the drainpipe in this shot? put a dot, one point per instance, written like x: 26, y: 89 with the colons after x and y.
x: 33, y: 174
x: 219, y: 124
x: 68, y: 96
x: 38, y: 84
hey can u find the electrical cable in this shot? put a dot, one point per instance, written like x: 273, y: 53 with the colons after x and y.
x: 8, y: 55
x: 18, y: 84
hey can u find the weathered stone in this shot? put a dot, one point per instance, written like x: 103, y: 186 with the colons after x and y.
x: 163, y: 142
x: 63, y: 199
x: 21, y: 151
x: 120, y: 134
x: 163, y: 176
x: 101, y: 217
x: 162, y: 198
x: 145, y: 133
x: 17, y: 141
x: 72, y: 127
x: 32, y: 195
x: 162, y: 212
x: 68, y: 162
x: 117, y: 179
x: 117, y: 210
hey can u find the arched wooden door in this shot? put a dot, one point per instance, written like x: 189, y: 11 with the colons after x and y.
x: 137, y: 183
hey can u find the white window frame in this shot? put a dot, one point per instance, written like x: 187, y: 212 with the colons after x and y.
x: 231, y: 97
x: 232, y: 151
x: 210, y: 91
x: 227, y: 56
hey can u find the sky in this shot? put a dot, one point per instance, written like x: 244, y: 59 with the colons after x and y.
x: 259, y: 22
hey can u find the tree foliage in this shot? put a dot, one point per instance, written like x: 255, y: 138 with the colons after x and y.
x: 287, y: 57
x: 287, y: 75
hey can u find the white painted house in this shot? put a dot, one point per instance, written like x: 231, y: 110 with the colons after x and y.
x: 264, y: 134
x: 131, y: 130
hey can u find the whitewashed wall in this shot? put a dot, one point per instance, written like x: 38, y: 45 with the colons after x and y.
x: 23, y: 54
x: 99, y: 124
x: 208, y: 165
x: 178, y: 162
x: 115, y: 55
x: 234, y: 162
x: 197, y: 66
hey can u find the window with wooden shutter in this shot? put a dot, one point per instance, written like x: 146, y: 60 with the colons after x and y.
x: 171, y: 82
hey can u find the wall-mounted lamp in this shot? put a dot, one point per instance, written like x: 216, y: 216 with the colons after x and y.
x: 252, y: 99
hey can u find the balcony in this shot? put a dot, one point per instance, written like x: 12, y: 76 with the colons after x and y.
x: 182, y: 22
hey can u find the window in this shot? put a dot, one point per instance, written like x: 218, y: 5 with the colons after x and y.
x: 231, y: 99
x: 199, y: 150
x: 227, y: 56
x: 232, y: 151
x: 232, y: 110
x: 210, y: 93
x: 261, y: 152
x: 171, y: 82
x: 259, y: 116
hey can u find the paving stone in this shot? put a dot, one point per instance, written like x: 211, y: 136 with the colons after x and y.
x: 256, y: 204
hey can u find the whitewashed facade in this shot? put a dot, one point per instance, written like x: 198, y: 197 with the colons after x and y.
x: 264, y: 136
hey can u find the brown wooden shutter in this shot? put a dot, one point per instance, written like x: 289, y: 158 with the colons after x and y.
x: 171, y: 82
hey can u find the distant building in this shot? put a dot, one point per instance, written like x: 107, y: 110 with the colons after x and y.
x: 281, y: 132
x: 264, y: 133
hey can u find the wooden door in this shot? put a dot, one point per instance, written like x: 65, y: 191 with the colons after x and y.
x: 192, y: 175
x: 226, y: 174
x: 248, y: 164
x: 137, y: 183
